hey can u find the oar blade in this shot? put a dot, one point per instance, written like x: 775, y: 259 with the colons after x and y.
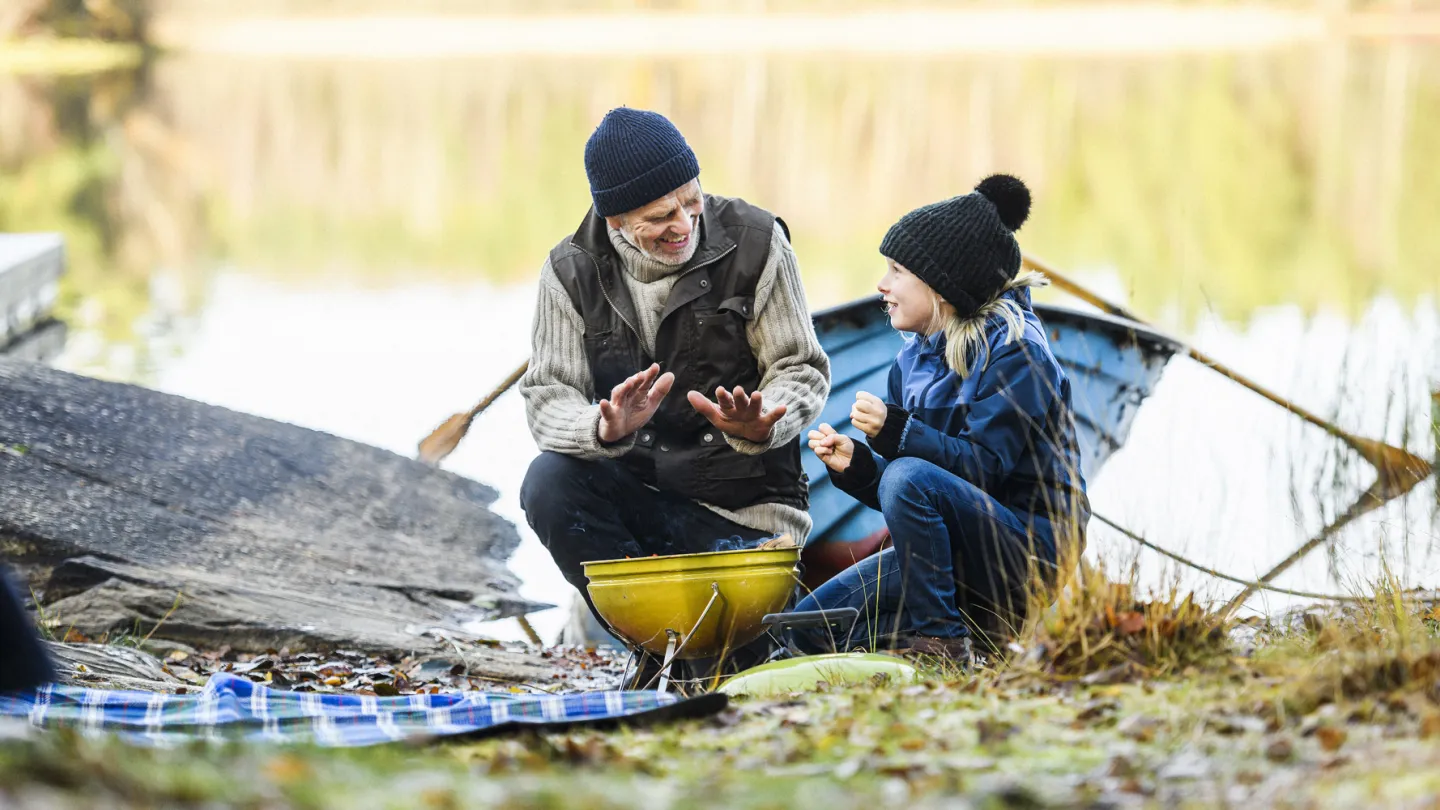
x: 1399, y: 469
x: 443, y: 441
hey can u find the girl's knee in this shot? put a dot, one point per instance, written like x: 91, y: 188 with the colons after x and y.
x: 904, y: 480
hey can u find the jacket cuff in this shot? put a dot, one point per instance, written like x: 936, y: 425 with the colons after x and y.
x: 860, y: 473
x: 892, y: 434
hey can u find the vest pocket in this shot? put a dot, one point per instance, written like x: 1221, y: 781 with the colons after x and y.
x: 742, y: 305
x: 610, y: 358
x: 721, y: 345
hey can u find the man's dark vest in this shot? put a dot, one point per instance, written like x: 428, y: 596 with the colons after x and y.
x: 701, y: 339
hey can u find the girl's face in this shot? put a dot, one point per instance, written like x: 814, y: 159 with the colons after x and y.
x: 909, y: 301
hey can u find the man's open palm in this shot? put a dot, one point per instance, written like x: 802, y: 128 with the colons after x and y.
x: 737, y: 413
x: 632, y: 403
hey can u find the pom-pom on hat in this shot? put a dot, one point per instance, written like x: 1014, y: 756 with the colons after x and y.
x: 964, y: 247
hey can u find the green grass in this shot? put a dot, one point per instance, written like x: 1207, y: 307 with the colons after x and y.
x: 1229, y: 731
x: 1119, y: 700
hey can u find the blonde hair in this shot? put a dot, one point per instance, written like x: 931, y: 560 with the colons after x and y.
x: 965, y: 340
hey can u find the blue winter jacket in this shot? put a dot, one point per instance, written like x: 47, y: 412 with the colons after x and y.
x: 1008, y: 429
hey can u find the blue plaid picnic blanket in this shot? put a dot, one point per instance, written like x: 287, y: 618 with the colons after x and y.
x: 230, y: 707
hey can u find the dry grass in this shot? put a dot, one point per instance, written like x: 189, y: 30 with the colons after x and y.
x: 1385, y: 646
x: 1098, y: 624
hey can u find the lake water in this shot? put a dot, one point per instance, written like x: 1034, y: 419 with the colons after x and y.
x: 351, y: 245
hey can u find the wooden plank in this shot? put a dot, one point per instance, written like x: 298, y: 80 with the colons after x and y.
x: 30, y: 269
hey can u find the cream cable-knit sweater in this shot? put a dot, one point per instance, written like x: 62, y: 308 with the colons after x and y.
x: 794, y: 370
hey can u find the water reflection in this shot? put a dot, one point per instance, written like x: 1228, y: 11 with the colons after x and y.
x: 351, y: 246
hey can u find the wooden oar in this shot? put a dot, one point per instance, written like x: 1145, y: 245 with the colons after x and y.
x: 443, y: 441
x: 1399, y: 470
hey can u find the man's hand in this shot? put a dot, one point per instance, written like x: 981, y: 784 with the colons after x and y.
x: 868, y: 414
x: 835, y: 449
x: 738, y: 414
x: 632, y: 403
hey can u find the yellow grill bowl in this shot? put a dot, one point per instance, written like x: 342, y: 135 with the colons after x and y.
x: 642, y: 598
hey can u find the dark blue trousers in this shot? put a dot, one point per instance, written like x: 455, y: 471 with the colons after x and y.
x: 961, y: 563
x: 584, y: 511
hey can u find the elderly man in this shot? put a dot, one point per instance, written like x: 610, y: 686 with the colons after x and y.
x: 673, y: 368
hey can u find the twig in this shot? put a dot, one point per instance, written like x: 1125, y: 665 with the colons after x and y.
x: 530, y: 631
x: 175, y: 605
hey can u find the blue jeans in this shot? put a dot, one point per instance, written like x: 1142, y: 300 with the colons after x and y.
x: 961, y: 563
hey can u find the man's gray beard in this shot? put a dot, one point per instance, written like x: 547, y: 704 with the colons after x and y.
x: 665, y: 260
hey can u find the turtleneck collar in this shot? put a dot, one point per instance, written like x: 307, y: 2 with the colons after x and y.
x: 640, y: 266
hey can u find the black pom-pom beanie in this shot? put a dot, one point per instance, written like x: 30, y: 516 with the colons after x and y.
x: 964, y: 247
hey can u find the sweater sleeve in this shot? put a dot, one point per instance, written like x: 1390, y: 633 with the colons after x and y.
x: 794, y: 370
x: 1013, y: 396
x: 559, y: 393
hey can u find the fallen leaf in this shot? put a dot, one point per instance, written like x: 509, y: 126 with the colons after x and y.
x: 1331, y: 738
x: 1130, y: 622
x: 1280, y: 749
x: 1430, y: 725
x: 1139, y: 727
x: 994, y: 732
x: 1121, y: 768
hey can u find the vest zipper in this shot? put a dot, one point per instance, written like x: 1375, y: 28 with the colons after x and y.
x: 710, y: 261
x: 600, y: 277
x: 605, y: 292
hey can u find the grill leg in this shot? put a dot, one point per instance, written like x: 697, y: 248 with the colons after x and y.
x: 669, y: 656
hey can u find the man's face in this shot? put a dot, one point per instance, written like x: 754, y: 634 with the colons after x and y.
x: 667, y: 229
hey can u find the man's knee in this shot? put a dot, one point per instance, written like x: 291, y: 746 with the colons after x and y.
x: 551, y: 479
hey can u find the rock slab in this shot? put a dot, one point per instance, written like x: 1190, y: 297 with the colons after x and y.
x: 129, y: 508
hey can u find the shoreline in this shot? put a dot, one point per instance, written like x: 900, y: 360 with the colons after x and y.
x: 67, y: 57
x: 1093, y: 30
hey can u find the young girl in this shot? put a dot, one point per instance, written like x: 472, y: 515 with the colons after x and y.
x: 972, y: 456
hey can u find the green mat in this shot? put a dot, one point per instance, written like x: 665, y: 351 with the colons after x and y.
x: 806, y: 672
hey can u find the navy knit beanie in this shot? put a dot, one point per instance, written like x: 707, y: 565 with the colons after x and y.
x: 964, y: 247
x: 636, y: 157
